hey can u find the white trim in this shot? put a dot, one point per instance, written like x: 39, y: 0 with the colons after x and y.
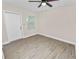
x: 29, y: 35
x: 18, y: 39
x: 5, y: 43
x: 73, y: 43
x: 12, y: 12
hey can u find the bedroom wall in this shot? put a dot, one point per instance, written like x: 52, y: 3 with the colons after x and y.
x: 4, y: 33
x: 24, y: 13
x: 58, y: 23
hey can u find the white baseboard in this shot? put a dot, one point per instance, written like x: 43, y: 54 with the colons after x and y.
x: 73, y: 43
x: 29, y: 35
x: 6, y: 43
x: 19, y: 38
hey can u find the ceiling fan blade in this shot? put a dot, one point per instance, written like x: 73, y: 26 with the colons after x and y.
x: 51, y: 0
x: 49, y: 4
x: 40, y: 5
x: 34, y: 1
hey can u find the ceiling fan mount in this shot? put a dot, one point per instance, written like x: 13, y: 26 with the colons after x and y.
x: 44, y: 2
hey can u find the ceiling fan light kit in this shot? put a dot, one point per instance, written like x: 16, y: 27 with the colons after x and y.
x: 44, y: 2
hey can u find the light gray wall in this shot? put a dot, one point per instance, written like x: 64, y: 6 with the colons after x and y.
x: 58, y: 23
x: 4, y: 33
x: 24, y: 13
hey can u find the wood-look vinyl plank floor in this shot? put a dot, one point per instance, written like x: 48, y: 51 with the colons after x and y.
x: 39, y: 47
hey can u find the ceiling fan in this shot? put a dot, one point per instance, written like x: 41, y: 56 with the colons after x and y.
x: 44, y: 2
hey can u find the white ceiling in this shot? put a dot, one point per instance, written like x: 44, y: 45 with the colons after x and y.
x: 34, y: 5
